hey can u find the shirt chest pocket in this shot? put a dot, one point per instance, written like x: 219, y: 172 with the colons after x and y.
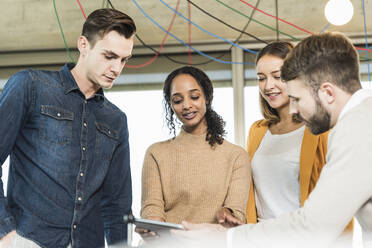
x: 106, y: 141
x: 56, y: 125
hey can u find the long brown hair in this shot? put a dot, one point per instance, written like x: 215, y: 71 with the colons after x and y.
x: 278, y: 49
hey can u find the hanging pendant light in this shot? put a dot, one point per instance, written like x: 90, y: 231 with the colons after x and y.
x: 339, y: 12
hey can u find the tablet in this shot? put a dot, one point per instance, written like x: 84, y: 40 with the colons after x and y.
x: 153, y: 225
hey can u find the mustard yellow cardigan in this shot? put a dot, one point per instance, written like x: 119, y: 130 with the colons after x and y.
x: 312, y: 160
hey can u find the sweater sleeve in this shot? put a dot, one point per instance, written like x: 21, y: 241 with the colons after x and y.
x: 237, y: 196
x: 152, y: 203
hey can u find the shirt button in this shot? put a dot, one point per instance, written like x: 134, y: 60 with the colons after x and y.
x: 85, y: 124
x: 81, y: 174
x: 79, y: 198
x: 83, y: 148
x: 59, y: 114
x: 85, y: 101
x: 74, y: 226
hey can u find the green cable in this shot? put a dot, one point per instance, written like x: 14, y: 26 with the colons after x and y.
x: 237, y: 11
x: 63, y: 36
x: 107, y: 5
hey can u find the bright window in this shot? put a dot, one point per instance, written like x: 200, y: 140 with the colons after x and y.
x: 252, y: 108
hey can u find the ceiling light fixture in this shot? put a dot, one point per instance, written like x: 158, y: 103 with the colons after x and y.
x: 339, y: 12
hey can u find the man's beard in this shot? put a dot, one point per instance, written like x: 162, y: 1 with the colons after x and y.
x: 320, y: 122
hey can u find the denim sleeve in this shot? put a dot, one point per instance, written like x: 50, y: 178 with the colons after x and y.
x: 117, y: 196
x: 15, y: 100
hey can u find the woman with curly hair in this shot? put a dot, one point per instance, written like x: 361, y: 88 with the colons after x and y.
x: 197, y: 176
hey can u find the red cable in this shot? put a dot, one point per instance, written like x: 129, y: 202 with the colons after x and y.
x: 161, y: 45
x: 293, y: 25
x: 81, y: 7
x: 306, y: 31
x: 189, y: 29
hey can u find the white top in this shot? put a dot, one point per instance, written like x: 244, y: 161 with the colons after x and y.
x: 343, y: 190
x: 275, y: 168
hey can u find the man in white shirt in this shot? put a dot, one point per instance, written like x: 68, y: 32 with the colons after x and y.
x: 322, y: 75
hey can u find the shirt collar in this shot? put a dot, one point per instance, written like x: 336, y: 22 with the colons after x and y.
x: 355, y: 100
x: 68, y: 80
x: 70, y: 84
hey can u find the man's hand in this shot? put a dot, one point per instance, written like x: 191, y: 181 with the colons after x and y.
x: 203, y: 228
x: 225, y: 218
x: 7, y: 239
x: 201, y: 235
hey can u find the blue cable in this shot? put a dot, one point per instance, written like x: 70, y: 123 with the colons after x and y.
x: 185, y: 44
x: 365, y: 36
x: 206, y: 31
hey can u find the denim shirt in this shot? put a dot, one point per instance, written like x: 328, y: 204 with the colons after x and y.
x: 69, y: 175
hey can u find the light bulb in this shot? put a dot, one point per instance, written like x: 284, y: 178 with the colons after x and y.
x: 339, y: 12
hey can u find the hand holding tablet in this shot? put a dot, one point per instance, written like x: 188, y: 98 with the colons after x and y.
x: 152, y: 225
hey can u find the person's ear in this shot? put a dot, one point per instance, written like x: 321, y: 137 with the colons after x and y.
x: 327, y: 93
x: 83, y: 45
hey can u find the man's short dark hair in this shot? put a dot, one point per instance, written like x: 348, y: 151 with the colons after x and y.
x: 327, y: 57
x: 102, y: 21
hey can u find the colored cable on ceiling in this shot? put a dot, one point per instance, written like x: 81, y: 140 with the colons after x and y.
x: 325, y: 28
x: 206, y: 31
x: 182, y: 42
x: 81, y: 8
x: 267, y: 26
x: 176, y: 61
x: 61, y: 30
x: 216, y: 59
x: 189, y: 30
x: 230, y: 26
x: 168, y: 57
x: 247, y: 24
x: 109, y: 2
x: 366, y: 40
x: 161, y: 45
x: 209, y: 60
x: 263, y: 12
x: 293, y: 25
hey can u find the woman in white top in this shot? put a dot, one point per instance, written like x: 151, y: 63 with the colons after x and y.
x: 286, y: 158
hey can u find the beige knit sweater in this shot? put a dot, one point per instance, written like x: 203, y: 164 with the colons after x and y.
x: 185, y: 179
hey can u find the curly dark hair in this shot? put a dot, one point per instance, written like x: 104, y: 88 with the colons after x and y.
x: 215, y: 123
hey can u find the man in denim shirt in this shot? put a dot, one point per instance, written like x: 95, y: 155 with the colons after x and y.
x: 69, y: 178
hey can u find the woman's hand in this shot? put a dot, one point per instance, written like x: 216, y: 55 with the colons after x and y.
x: 225, y: 217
